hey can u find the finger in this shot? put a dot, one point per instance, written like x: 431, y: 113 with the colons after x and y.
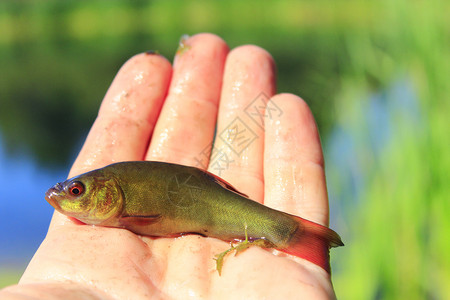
x: 249, y: 81
x: 293, y: 161
x: 127, y: 115
x: 184, y: 134
x: 186, y: 125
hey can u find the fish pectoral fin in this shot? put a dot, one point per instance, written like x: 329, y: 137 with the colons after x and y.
x: 139, y: 220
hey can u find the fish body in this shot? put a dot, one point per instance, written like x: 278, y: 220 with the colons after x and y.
x: 163, y: 199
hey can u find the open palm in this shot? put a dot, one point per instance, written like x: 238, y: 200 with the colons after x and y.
x: 266, y: 146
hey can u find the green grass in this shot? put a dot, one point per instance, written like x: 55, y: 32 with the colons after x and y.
x: 9, y: 277
x: 399, y: 232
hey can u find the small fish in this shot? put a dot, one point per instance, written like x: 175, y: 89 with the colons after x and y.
x: 167, y: 200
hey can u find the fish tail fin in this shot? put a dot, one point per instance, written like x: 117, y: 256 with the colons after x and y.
x: 312, y: 242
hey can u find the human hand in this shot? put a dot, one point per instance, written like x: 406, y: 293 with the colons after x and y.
x: 152, y: 113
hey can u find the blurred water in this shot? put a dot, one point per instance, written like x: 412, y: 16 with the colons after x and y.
x: 356, y: 145
x: 24, y: 213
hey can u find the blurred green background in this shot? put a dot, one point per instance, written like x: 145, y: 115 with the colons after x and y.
x: 375, y: 73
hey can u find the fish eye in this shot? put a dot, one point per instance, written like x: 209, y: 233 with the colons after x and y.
x: 76, y: 188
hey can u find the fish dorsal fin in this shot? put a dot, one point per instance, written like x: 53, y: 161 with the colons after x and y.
x: 142, y: 220
x: 225, y: 184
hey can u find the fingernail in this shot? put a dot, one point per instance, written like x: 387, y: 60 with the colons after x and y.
x: 152, y: 52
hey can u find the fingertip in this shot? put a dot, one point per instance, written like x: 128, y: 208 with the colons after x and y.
x: 288, y: 97
x: 209, y: 37
x: 250, y: 50
x: 143, y: 61
x: 203, y: 43
x: 292, y: 102
x: 247, y: 55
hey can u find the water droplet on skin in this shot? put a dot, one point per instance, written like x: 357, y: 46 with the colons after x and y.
x: 139, y: 77
x: 164, y: 135
x: 120, y: 96
x: 181, y: 83
x: 237, y: 86
x: 244, y: 157
x: 158, y: 150
x: 117, y: 100
x: 174, y: 112
x: 120, y: 105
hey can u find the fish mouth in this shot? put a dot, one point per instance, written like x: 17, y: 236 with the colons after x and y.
x: 53, y: 194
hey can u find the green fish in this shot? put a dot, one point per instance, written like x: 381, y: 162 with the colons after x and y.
x: 167, y: 200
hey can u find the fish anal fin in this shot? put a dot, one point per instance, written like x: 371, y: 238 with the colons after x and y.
x: 225, y: 184
x: 143, y: 220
